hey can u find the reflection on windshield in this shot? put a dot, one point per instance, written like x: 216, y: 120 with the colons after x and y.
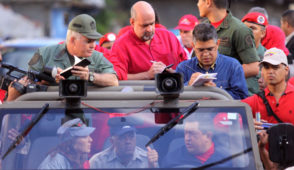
x: 206, y: 136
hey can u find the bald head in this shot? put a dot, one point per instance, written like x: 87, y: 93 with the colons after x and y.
x: 143, y: 20
x: 141, y: 8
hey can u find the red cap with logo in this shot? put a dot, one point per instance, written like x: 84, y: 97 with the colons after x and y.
x: 107, y: 38
x: 256, y: 18
x: 187, y: 22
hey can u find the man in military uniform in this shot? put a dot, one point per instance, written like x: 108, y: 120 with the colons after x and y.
x: 257, y: 22
x: 236, y: 40
x: 123, y: 152
x: 80, y: 43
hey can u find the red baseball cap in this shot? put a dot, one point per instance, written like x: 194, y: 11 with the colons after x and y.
x: 107, y: 37
x: 187, y: 22
x: 222, y: 121
x: 256, y: 18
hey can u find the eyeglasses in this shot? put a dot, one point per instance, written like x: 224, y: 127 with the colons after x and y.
x: 201, y: 50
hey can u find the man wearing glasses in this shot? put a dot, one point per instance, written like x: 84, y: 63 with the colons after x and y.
x: 230, y: 75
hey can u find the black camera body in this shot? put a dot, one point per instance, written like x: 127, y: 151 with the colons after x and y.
x: 29, y: 88
x: 281, y: 144
x: 169, y: 84
x: 35, y: 88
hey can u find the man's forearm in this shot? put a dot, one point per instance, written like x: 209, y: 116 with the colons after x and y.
x: 264, y: 155
x: 105, y: 79
x: 251, y: 69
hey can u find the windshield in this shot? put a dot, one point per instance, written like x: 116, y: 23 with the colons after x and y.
x: 207, y: 136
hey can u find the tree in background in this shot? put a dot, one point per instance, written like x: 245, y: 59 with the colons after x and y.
x: 112, y: 17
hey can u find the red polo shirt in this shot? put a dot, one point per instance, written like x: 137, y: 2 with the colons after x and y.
x: 284, y: 109
x: 131, y: 55
x: 291, y: 81
x: 2, y: 95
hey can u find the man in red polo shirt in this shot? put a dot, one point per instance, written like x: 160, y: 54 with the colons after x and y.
x: 279, y: 93
x: 144, y: 51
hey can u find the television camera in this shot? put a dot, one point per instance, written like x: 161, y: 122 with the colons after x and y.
x: 281, y: 144
x: 15, y: 73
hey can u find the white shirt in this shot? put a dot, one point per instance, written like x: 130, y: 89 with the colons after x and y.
x: 288, y: 38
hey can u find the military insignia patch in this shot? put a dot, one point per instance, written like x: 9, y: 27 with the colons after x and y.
x: 249, y: 41
x: 35, y: 59
x: 92, y: 25
x: 261, y: 19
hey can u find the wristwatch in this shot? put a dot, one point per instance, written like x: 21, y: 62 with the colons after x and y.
x: 91, y: 77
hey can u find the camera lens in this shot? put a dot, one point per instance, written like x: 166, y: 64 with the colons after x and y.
x: 169, y: 84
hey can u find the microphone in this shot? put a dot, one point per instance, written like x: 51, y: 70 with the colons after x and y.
x: 52, y: 72
x: 37, y: 76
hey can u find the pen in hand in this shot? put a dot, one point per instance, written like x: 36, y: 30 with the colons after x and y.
x: 169, y: 66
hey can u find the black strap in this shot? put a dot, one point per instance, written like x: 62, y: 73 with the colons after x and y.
x: 229, y: 3
x: 269, y: 110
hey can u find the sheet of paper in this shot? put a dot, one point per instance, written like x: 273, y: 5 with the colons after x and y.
x: 203, y: 78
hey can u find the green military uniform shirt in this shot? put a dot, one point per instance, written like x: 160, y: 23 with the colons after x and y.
x: 236, y: 40
x: 57, y: 55
x: 252, y: 82
x: 260, y: 51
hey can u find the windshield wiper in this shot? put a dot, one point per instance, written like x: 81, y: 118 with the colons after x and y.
x: 173, y: 122
x: 225, y: 159
x: 27, y: 130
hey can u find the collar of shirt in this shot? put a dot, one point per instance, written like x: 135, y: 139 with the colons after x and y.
x: 205, y: 156
x: 289, y: 89
x: 288, y: 38
x: 113, y: 156
x: 212, y: 67
x: 225, y: 23
x: 216, y: 24
x: 64, y: 53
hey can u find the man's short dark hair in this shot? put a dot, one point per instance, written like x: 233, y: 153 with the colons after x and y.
x: 221, y: 4
x: 288, y: 16
x: 204, y: 32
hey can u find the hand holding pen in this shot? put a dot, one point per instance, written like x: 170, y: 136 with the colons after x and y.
x: 166, y: 69
x: 157, y: 67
